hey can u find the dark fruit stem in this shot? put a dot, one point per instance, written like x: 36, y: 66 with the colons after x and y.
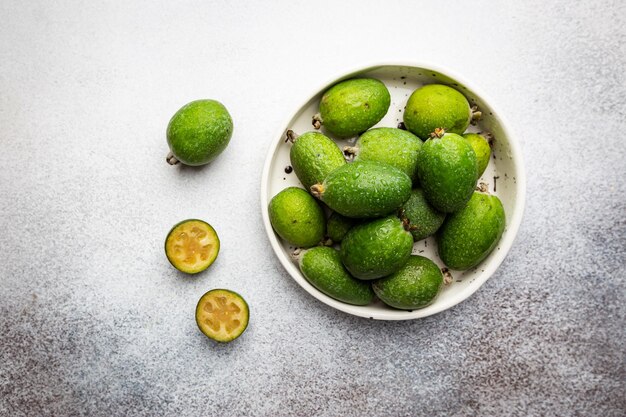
x: 475, y: 115
x: 296, y: 254
x: 350, y: 152
x: 291, y: 136
x: 317, y: 121
x: 171, y: 159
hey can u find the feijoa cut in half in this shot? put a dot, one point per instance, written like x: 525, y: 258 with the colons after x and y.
x: 222, y: 315
x: 192, y: 246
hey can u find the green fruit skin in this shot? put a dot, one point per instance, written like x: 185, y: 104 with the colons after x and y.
x: 414, y: 286
x: 314, y: 156
x: 353, y: 106
x: 481, y: 149
x: 337, y: 226
x: 365, y: 189
x: 436, y: 105
x: 375, y: 249
x: 469, y: 235
x: 297, y: 217
x: 391, y: 146
x: 322, y: 267
x: 199, y: 132
x: 447, y: 171
x: 423, y: 218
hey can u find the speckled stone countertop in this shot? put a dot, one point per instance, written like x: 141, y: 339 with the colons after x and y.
x: 93, y: 319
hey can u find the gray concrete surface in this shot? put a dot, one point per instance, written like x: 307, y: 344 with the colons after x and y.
x: 94, y: 321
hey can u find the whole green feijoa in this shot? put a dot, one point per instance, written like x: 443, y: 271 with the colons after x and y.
x: 297, y: 217
x: 322, y: 267
x: 377, y: 248
x: 481, y: 147
x: 364, y: 189
x: 313, y: 156
x: 391, y: 146
x: 353, y: 106
x: 470, y: 234
x: 198, y: 132
x: 414, y: 286
x: 422, y: 218
x: 447, y: 170
x: 337, y: 226
x: 436, y: 106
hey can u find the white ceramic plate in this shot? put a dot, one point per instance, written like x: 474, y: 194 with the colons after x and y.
x: 504, y: 177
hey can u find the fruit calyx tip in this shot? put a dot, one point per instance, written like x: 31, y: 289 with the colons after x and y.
x: 317, y: 190
x: 475, y: 114
x: 317, y: 121
x: 171, y: 159
x: 350, y: 152
x: 290, y: 136
x: 439, y: 132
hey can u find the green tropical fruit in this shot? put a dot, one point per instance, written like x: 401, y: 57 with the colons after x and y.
x: 447, y: 170
x: 314, y: 156
x: 436, y: 106
x: 470, y: 234
x: 377, y: 248
x: 192, y: 246
x: 423, y: 219
x: 391, y: 146
x: 222, y: 315
x: 297, y: 217
x: 414, y: 286
x: 353, y: 106
x: 481, y: 147
x: 337, y: 226
x: 364, y: 189
x: 322, y: 267
x: 198, y: 132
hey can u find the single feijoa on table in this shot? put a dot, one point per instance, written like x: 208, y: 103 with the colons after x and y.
x: 297, y: 217
x: 415, y: 285
x: 447, y: 171
x: 377, y: 248
x: 364, y: 189
x: 337, y: 226
x: 388, y: 145
x: 422, y: 218
x: 470, y: 234
x: 322, y: 267
x: 313, y: 156
x: 222, y: 315
x: 437, y: 106
x: 198, y: 132
x: 192, y: 245
x: 353, y: 106
x: 482, y: 149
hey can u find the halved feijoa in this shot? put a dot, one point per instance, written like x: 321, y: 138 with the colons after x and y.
x: 222, y: 315
x: 192, y: 246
